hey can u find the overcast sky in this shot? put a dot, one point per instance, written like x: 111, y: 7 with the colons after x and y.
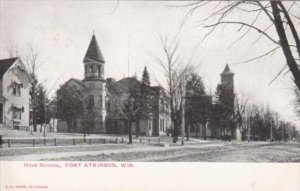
x: 62, y: 30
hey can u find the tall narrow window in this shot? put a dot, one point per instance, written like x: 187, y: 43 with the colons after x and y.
x: 108, y: 105
x: 102, y: 71
x: 17, y: 113
x: 100, y: 101
x: 91, y: 103
x: 99, y: 71
x: 16, y: 89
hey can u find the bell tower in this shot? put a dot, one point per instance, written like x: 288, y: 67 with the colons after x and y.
x: 228, y: 83
x: 227, y: 79
x: 95, y: 83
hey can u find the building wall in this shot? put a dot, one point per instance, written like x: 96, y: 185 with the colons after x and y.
x: 162, y: 119
x: 1, y: 86
x: 15, y: 74
x: 98, y: 90
x: 199, y: 130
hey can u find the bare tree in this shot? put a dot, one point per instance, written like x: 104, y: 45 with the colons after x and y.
x: 297, y: 101
x: 125, y: 102
x: 33, y: 63
x: 175, y: 73
x: 12, y: 51
x: 282, y: 17
x: 243, y: 112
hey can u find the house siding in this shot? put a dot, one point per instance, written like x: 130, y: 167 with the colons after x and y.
x: 22, y: 101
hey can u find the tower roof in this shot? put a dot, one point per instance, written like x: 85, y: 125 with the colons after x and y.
x: 93, y: 52
x: 227, y: 71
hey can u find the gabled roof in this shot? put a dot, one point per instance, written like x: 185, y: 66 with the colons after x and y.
x: 123, y: 86
x: 227, y: 71
x: 77, y: 81
x: 130, y: 82
x: 93, y: 52
x: 5, y: 64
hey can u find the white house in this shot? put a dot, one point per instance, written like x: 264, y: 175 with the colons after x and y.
x: 15, y: 83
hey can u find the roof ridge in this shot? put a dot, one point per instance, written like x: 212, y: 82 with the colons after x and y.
x: 12, y: 58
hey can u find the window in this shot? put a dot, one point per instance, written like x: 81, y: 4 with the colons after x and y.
x: 17, y: 113
x: 108, y: 105
x: 91, y: 102
x: 102, y: 71
x: 100, y: 101
x: 91, y: 86
x: 31, y: 118
x: 17, y: 89
x: 99, y: 71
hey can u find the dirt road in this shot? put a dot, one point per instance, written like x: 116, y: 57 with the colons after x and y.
x: 246, y: 152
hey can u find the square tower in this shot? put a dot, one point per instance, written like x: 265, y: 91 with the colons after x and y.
x: 95, y: 83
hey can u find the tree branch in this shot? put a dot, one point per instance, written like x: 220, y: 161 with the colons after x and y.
x: 265, y: 54
x: 244, y: 24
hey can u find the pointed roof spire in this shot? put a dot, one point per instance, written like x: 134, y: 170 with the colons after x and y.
x: 93, y: 52
x: 227, y: 71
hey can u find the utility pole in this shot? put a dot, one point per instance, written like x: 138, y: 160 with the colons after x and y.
x: 249, y: 130
x: 271, y: 133
x: 183, y: 114
x: 45, y: 120
x: 282, y: 133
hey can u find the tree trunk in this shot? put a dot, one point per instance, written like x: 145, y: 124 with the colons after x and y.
x: 137, y: 128
x: 173, y: 117
x: 175, y: 132
x: 291, y: 62
x: 34, y: 122
x: 232, y: 131
x: 72, y: 123
x: 204, y: 131
x: 188, y: 132
x: 69, y: 125
x: 129, y: 131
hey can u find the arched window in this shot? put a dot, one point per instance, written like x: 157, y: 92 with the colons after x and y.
x: 90, y: 102
x: 102, y: 71
x: 99, y: 71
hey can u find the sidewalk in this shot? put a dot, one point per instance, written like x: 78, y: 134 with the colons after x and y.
x: 48, y: 156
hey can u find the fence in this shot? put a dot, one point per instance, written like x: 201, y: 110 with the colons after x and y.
x: 65, y: 141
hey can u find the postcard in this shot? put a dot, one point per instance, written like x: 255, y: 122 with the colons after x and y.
x: 149, y: 95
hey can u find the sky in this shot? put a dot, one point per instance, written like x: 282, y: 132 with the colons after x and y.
x: 127, y: 34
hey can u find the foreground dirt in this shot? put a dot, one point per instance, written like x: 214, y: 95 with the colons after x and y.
x: 246, y: 152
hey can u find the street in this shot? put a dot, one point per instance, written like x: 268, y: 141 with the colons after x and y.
x: 200, y: 152
x: 274, y: 152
